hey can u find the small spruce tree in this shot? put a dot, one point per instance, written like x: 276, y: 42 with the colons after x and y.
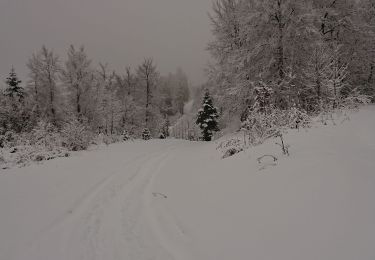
x: 207, y: 118
x: 13, y: 88
x: 146, y: 135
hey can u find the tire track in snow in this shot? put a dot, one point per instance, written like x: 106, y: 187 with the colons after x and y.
x: 130, y: 226
x: 118, y: 218
x: 113, y: 221
x: 114, y: 226
x: 165, y: 226
x: 39, y: 241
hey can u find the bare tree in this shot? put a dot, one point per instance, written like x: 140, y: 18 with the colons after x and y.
x: 110, y: 105
x: 148, y: 76
x: 77, y: 76
x: 44, y: 69
x: 34, y: 65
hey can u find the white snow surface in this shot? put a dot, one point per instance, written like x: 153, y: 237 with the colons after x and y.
x: 170, y: 199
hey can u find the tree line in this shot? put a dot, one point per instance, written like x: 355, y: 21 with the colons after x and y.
x: 60, y: 91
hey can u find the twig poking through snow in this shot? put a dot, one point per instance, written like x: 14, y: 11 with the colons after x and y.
x: 265, y: 156
x: 283, y: 146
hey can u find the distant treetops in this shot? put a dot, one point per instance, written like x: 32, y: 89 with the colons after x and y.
x: 207, y: 118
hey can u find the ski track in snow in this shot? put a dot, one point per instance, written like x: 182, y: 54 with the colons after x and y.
x: 114, y: 221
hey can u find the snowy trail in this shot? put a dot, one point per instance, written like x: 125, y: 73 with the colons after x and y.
x: 114, y: 220
x: 178, y: 200
x: 109, y: 227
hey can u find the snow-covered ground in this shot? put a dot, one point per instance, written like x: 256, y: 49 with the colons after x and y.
x: 178, y: 200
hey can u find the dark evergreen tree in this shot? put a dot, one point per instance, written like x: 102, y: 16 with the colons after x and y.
x: 13, y: 88
x: 207, y: 118
x: 146, y: 135
x: 15, y: 116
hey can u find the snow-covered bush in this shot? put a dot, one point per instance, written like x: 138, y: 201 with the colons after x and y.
x: 43, y: 142
x: 75, y: 136
x: 111, y: 139
x: 298, y: 118
x: 7, y: 139
x: 354, y: 100
x: 260, y: 126
x: 231, y: 151
x: 46, y: 135
x: 11, y: 139
x: 332, y: 111
x: 231, y: 147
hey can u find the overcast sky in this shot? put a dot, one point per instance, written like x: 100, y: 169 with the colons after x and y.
x: 118, y: 32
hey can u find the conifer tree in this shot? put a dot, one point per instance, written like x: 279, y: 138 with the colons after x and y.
x: 146, y: 135
x: 207, y: 118
x: 13, y: 88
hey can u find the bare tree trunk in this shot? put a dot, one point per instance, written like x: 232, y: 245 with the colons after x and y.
x: 112, y: 123
x: 147, y: 72
x: 280, y: 48
x: 36, y: 95
x: 317, y: 75
x: 335, y: 90
x: 147, y: 99
x: 371, y: 72
x: 78, y: 97
x: 52, y: 98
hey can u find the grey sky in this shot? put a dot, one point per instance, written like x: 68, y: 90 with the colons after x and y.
x: 117, y: 32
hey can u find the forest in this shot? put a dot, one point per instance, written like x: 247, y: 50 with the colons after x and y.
x: 313, y: 55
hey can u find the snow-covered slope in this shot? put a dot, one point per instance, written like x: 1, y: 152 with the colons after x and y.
x: 178, y: 200
x: 315, y: 204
